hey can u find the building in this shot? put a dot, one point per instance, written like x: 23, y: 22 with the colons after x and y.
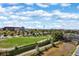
x: 13, y: 28
x: 70, y: 36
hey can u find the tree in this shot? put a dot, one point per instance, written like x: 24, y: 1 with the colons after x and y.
x: 6, y: 32
x: 57, y: 35
x: 12, y: 33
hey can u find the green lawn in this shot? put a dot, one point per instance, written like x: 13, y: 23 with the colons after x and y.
x: 12, y: 42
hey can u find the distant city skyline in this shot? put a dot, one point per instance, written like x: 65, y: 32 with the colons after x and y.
x: 40, y: 15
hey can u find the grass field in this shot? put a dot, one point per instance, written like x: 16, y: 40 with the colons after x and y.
x: 18, y: 41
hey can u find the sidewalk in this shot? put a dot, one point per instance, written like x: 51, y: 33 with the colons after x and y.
x: 6, y: 49
x: 75, y: 50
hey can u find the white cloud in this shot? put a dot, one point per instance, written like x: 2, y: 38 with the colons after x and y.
x: 12, y: 3
x: 3, y: 17
x: 56, y: 12
x: 26, y: 15
x: 14, y: 16
x: 70, y: 15
x: 53, y: 3
x: 60, y: 20
x: 2, y: 10
x: 33, y: 22
x: 43, y: 4
x: 8, y: 23
x: 29, y: 8
x: 65, y: 4
x: 65, y: 15
x: 29, y: 13
x: 47, y: 18
x: 56, y: 25
x: 77, y: 7
x: 46, y: 15
x: 10, y: 13
x: 12, y: 23
x: 13, y: 8
x: 37, y: 13
x: 18, y: 17
x: 8, y: 10
x: 70, y: 25
x: 29, y: 4
x: 24, y: 18
x: 5, y: 11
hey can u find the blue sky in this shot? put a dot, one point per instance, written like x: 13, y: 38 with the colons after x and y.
x: 40, y: 15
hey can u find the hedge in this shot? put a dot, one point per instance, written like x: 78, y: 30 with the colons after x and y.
x: 21, y: 49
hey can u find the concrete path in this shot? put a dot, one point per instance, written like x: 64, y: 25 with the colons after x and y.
x: 6, y: 49
x: 75, y: 50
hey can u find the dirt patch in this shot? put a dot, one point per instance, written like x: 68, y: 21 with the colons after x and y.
x: 63, y: 49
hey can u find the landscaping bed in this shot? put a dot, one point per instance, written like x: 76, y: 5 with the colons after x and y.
x: 62, y: 49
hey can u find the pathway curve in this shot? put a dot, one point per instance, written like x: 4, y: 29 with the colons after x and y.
x: 75, y: 50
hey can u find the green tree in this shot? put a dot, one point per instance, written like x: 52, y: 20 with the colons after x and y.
x: 57, y: 35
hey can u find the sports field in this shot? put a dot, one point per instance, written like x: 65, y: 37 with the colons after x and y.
x: 19, y: 41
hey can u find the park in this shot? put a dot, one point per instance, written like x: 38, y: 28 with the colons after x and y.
x: 40, y: 41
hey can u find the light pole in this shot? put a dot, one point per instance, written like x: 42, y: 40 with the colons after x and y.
x: 37, y: 46
x: 51, y: 41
